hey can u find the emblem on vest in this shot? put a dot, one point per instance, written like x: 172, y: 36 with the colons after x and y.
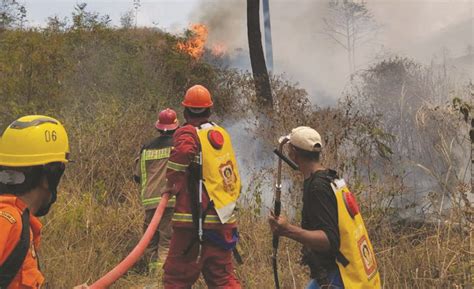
x: 368, y: 258
x: 227, y: 173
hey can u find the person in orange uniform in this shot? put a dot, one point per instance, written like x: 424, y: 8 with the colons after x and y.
x: 33, y: 153
x: 203, y: 175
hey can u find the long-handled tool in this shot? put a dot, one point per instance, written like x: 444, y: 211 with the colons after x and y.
x: 471, y: 242
x: 277, y: 207
x: 200, y: 225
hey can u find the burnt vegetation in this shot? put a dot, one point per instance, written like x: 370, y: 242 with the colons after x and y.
x: 399, y: 136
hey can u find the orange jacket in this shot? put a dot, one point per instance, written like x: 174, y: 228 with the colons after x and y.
x: 11, y: 209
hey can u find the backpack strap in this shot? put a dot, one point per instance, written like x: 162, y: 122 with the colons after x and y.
x: 342, y: 259
x: 332, y: 177
x: 339, y: 256
x: 13, y: 263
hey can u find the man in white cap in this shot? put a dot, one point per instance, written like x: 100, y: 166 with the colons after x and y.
x: 332, y: 231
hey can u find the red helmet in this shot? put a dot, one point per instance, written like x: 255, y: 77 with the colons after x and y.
x: 167, y: 120
x: 197, y: 97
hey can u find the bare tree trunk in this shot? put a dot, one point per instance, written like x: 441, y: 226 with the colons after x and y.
x: 268, y: 34
x: 353, y: 49
x: 353, y: 38
x: 349, y: 46
x: 257, y: 58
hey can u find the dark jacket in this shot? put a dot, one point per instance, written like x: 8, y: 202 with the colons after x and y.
x: 320, y: 213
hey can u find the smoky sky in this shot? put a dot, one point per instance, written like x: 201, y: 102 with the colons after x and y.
x: 420, y: 29
x: 416, y: 29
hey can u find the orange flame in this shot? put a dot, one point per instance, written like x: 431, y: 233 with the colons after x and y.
x: 194, y: 46
x: 219, y: 49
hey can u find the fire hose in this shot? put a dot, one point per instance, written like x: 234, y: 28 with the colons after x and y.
x: 277, y: 207
x: 137, y: 252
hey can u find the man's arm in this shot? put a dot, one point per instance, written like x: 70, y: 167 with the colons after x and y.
x: 137, y: 173
x: 316, y: 240
x: 322, y: 210
x: 184, y: 151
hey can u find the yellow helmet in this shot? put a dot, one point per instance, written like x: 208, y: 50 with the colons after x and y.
x: 34, y: 140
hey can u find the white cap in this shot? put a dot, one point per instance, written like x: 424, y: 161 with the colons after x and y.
x: 305, y: 138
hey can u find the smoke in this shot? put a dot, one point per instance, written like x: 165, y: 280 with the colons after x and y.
x: 410, y: 24
x: 422, y: 30
x: 417, y: 29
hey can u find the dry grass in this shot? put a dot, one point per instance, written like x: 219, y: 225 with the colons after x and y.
x: 98, y: 217
x: 84, y: 239
x: 106, y: 86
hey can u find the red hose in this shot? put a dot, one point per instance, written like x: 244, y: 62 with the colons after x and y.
x: 137, y: 252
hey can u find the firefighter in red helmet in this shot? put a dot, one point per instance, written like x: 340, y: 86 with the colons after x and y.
x: 150, y: 172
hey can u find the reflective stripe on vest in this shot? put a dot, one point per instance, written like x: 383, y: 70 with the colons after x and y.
x: 176, y: 166
x: 179, y: 167
x: 210, y: 219
x: 151, y: 155
x: 157, y: 200
x: 157, y: 154
x: 361, y: 272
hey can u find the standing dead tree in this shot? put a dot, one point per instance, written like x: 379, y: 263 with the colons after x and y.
x: 349, y: 24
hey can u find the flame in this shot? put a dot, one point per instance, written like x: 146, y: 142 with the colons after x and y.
x: 194, y: 46
x: 219, y: 49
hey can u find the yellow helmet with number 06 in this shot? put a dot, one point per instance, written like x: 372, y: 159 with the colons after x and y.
x: 34, y: 140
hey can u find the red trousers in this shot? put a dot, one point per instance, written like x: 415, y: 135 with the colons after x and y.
x: 182, y: 271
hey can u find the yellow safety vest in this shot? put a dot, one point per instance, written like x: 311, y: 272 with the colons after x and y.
x: 220, y: 173
x: 355, y: 245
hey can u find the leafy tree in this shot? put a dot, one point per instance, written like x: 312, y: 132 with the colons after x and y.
x: 11, y: 13
x: 127, y: 19
x: 86, y: 20
x: 55, y: 24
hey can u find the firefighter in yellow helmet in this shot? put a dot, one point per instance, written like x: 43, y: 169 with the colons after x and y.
x: 33, y: 153
x: 336, y: 246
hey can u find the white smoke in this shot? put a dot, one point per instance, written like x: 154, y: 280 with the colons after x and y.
x: 417, y: 29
